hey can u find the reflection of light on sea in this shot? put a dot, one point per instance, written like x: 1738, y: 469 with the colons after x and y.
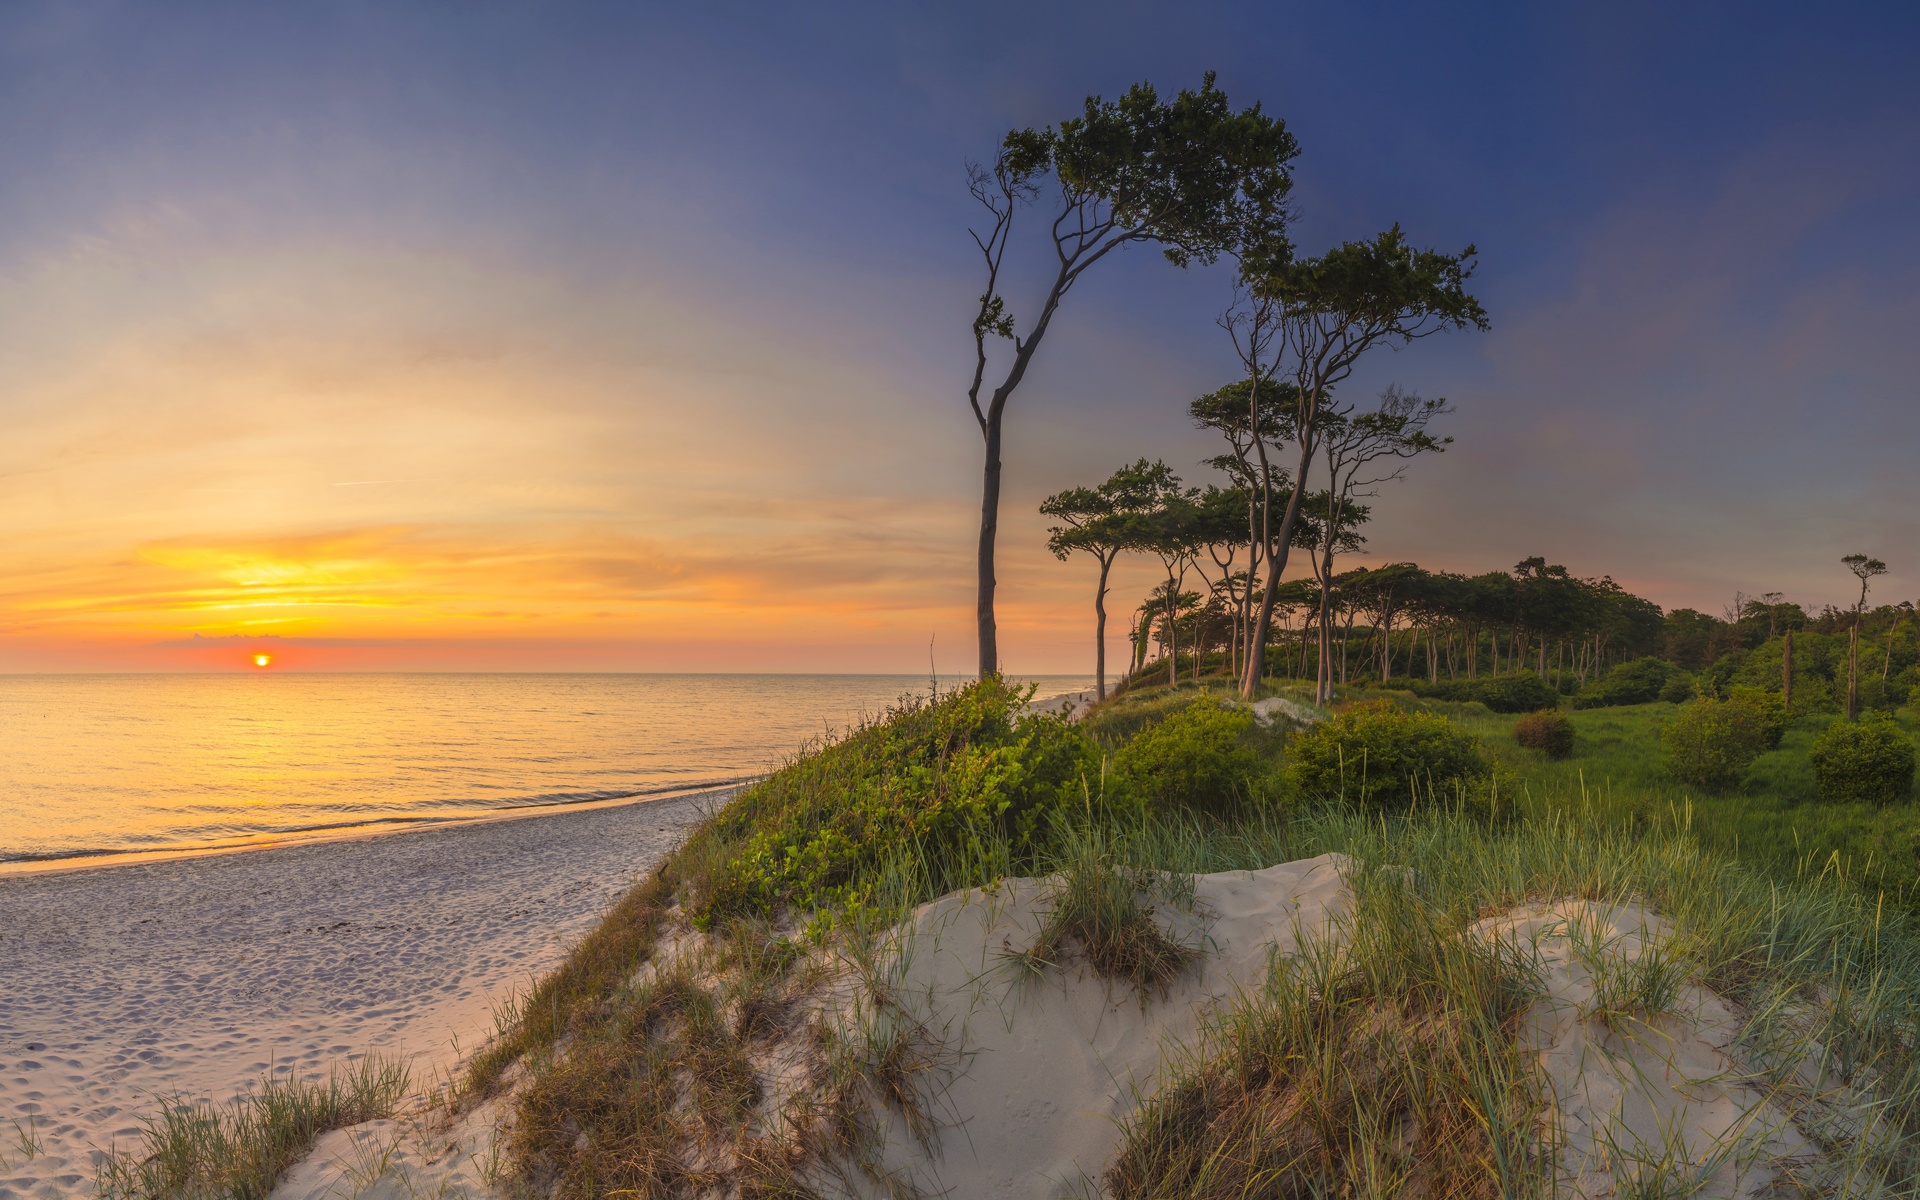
x: 161, y: 762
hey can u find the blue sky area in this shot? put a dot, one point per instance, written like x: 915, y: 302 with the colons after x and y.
x: 741, y: 228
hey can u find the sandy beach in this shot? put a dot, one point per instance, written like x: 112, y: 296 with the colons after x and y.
x: 196, y: 976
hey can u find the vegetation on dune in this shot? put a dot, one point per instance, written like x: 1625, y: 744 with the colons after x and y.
x: 1200, y: 757
x: 1380, y: 753
x: 238, y: 1151
x: 944, y: 778
x: 654, y: 1080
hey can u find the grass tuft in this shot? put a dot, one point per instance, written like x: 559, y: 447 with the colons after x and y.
x: 1102, y: 907
x: 1377, y: 1061
x: 239, y: 1151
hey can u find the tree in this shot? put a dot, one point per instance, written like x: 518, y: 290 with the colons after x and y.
x: 1220, y: 528
x: 1189, y: 175
x: 1303, y: 324
x: 1326, y: 529
x: 1233, y: 412
x: 1099, y: 521
x: 1360, y: 451
x: 1173, y: 530
x: 1864, y: 569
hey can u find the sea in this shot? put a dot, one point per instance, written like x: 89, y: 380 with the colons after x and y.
x: 96, y: 768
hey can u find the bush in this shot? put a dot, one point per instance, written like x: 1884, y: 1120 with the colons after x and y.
x: 1197, y: 758
x: 1516, y: 693
x: 1377, y: 750
x: 1710, y: 743
x: 1678, y: 689
x: 1551, y: 732
x: 1865, y: 762
x: 936, y: 776
x: 1762, y: 710
x: 1636, y: 682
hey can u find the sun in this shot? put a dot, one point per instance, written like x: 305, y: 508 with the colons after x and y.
x: 261, y: 660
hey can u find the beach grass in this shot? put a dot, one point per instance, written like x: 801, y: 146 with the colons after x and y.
x: 239, y: 1150
x: 1389, y: 1059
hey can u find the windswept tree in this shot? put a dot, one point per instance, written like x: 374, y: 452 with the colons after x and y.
x: 1259, y: 481
x: 1359, y: 451
x: 1864, y: 569
x: 1102, y: 521
x: 1189, y: 175
x: 1221, y: 530
x: 1175, y: 532
x: 1299, y: 328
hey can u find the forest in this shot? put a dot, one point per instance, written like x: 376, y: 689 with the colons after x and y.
x: 1518, y: 639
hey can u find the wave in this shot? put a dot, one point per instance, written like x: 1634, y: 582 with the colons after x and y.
x: 236, y: 837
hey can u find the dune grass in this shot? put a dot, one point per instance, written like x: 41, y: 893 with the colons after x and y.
x: 1392, y: 1061
x: 1389, y: 1063
x: 239, y: 1151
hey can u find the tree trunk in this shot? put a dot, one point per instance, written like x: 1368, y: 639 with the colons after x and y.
x: 989, y: 528
x: 1276, y: 565
x: 1100, y: 628
x: 1853, y: 665
x: 1173, y: 632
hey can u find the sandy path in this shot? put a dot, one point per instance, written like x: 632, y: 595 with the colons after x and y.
x: 194, y: 976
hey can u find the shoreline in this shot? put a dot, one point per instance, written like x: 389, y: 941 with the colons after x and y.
x: 388, y: 827
x: 194, y: 977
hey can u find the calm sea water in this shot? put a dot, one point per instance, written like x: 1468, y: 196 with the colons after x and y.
x: 112, y: 764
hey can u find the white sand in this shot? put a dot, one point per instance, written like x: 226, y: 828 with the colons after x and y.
x: 1634, y: 1091
x: 1050, y: 1067
x: 196, y: 976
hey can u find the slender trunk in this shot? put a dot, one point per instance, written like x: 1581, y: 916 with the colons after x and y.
x: 989, y: 529
x: 1173, y: 632
x: 1276, y: 566
x: 1433, y: 659
x: 1853, y: 665
x: 1100, y: 628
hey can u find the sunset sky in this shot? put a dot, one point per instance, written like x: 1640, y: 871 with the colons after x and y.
x: 634, y: 337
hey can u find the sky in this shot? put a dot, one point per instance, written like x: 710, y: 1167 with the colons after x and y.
x: 634, y: 337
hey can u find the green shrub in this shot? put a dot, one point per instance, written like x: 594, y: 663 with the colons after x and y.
x: 933, y: 776
x: 1678, y: 689
x: 1710, y: 742
x: 1377, y: 750
x: 1198, y: 758
x: 1763, y: 711
x: 1638, y: 682
x: 1865, y: 762
x: 1883, y: 695
x: 1551, y: 732
x: 1516, y: 693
